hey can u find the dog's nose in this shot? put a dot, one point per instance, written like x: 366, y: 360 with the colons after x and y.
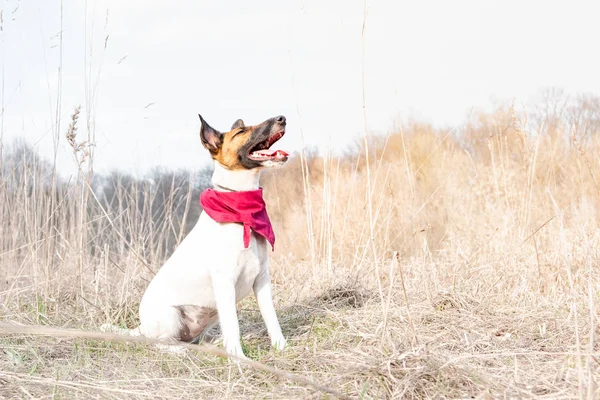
x: 280, y: 119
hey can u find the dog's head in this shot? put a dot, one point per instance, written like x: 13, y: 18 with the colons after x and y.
x: 245, y: 147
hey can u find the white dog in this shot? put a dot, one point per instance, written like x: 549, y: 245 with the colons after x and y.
x: 226, y: 253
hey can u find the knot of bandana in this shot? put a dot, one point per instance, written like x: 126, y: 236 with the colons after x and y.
x: 247, y: 208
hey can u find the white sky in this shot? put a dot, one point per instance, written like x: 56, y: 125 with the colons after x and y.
x: 255, y: 59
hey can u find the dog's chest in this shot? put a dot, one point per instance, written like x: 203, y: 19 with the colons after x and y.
x: 249, y: 265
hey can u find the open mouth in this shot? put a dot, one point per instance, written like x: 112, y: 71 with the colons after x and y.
x: 262, y: 151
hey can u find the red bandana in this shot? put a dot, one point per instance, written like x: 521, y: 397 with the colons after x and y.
x: 247, y: 208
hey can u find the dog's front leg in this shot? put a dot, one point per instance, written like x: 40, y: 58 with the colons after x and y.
x: 224, y: 290
x: 264, y: 297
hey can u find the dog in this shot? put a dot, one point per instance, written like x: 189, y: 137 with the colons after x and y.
x: 225, y: 256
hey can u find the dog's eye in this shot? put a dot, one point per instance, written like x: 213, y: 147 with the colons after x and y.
x: 242, y: 130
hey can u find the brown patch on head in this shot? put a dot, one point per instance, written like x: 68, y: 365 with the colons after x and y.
x: 241, y: 147
x: 234, y: 142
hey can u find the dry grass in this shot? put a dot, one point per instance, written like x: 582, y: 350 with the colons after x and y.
x: 494, y: 292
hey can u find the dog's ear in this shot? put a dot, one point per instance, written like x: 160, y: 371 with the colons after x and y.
x: 211, y: 138
x: 237, y: 124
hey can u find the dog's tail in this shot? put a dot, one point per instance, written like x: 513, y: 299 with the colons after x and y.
x: 109, y: 328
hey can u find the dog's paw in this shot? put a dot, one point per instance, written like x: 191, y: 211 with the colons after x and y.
x: 238, y: 354
x: 279, y: 344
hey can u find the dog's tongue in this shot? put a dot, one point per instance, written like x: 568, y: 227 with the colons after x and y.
x: 271, y: 153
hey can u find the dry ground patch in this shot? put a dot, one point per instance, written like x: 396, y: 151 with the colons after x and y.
x: 475, y: 340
